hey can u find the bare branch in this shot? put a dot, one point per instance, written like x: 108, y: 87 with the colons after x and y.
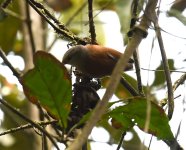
x: 166, y: 68
x: 139, y: 33
x: 91, y: 22
x: 6, y: 61
x: 27, y: 126
x: 57, y: 26
x: 29, y: 121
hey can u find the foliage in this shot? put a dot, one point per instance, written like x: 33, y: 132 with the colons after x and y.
x: 48, y: 83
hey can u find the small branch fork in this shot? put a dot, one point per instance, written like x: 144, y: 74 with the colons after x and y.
x: 56, y: 25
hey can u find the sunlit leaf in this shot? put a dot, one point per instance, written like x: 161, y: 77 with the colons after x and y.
x: 49, y: 83
x: 135, y: 110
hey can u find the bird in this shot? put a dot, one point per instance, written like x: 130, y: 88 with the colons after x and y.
x: 95, y: 61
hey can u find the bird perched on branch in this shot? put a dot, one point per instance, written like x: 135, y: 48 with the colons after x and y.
x: 94, y: 60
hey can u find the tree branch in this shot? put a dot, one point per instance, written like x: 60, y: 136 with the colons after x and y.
x: 58, y: 27
x: 135, y: 55
x: 5, y: 3
x: 139, y: 33
x: 29, y: 26
x: 29, y: 121
x: 3, y: 56
x: 91, y: 22
x: 176, y: 84
x: 166, y: 68
x: 27, y: 126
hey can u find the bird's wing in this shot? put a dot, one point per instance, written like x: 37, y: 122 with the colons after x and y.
x: 110, y: 56
x: 114, y: 58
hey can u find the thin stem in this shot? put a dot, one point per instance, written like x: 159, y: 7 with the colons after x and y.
x: 91, y: 22
x: 135, y: 55
x: 5, y: 3
x: 29, y: 121
x: 27, y: 126
x: 3, y: 56
x: 58, y: 27
x: 127, y: 85
x: 157, y: 70
x: 166, y: 68
x: 176, y: 84
x: 30, y: 33
x: 121, y: 140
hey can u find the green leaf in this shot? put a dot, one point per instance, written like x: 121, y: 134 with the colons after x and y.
x: 9, y: 27
x: 49, y: 83
x: 135, y: 110
x: 160, y: 75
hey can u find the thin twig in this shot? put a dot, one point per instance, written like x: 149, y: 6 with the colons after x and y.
x: 27, y: 126
x: 5, y: 3
x: 121, y: 140
x: 138, y: 73
x: 166, y: 68
x: 91, y: 23
x: 176, y: 84
x: 135, y: 55
x: 158, y: 70
x: 76, y: 13
x: 29, y: 25
x: 3, y: 56
x: 13, y: 14
x: 139, y: 33
x: 42, y: 117
x: 68, y: 23
x: 127, y: 85
x: 58, y: 27
x: 29, y: 121
x: 180, y: 81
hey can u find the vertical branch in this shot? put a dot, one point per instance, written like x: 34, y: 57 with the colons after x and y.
x: 29, y: 26
x: 91, y: 22
x: 135, y: 55
x: 166, y: 68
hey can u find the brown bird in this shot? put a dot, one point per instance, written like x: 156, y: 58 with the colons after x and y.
x: 94, y: 60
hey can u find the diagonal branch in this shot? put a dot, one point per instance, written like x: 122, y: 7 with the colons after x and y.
x: 3, y: 56
x: 27, y: 126
x: 176, y: 84
x: 57, y: 26
x: 29, y: 121
x: 5, y: 3
x: 139, y: 33
x: 166, y: 68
